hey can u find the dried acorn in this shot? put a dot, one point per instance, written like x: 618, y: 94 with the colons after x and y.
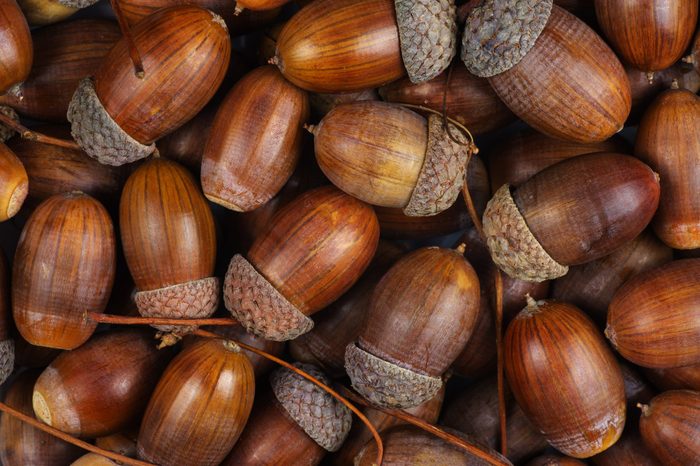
x: 312, y: 252
x: 71, y: 236
x: 16, y: 51
x: 117, y: 115
x: 583, y: 413
x: 571, y: 213
x: 14, y: 183
x: 421, y: 315
x: 548, y: 67
x: 7, y: 344
x: 390, y: 156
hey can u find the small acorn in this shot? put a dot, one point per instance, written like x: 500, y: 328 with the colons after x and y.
x: 583, y: 413
x: 654, y: 318
x: 16, y: 53
x: 389, y: 156
x: 629, y: 450
x: 169, y: 242
x: 294, y: 423
x: 349, y: 45
x: 670, y: 427
x: 314, y: 249
x: 675, y: 378
x: 7, y: 344
x: 200, y: 406
x: 550, y: 68
x: 63, y: 268
x: 571, y: 213
x: 14, y: 183
x: 421, y: 315
x: 644, y: 93
x: 117, y: 115
x: 255, y: 141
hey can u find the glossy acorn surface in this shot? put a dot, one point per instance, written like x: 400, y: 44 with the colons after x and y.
x: 14, y: 183
x: 16, y: 50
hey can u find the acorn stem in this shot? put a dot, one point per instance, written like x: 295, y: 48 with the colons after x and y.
x: 131, y: 45
x: 30, y: 135
x: 125, y: 320
x: 500, y: 379
x: 273, y: 60
x: 461, y: 248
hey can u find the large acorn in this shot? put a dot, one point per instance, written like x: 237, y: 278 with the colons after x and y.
x: 421, y: 315
x: 548, y: 67
x: 654, y: 318
x: 117, y: 115
x: 169, y: 242
x: 16, y: 51
x: 313, y: 250
x: 14, y: 183
x: 390, y: 156
x: 7, y: 345
x: 350, y: 45
x: 199, y: 407
x: 571, y: 213
x: 63, y: 268
x: 581, y: 412
x: 255, y: 141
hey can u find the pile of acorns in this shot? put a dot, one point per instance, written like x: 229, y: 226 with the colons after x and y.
x: 310, y: 169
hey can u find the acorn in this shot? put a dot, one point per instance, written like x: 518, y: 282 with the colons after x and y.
x: 99, y: 388
x: 592, y: 286
x: 389, y: 156
x: 258, y: 5
x: 555, y: 460
x: 200, y: 406
x: 123, y: 442
x: 675, y: 378
x: 583, y: 413
x: 64, y: 54
x: 313, y: 251
x: 350, y: 45
x: 421, y: 315
x: 644, y: 93
x: 255, y: 141
x: 321, y: 104
x: 666, y: 140
x: 93, y: 459
x: 16, y: 52
x: 629, y: 450
x: 185, y: 145
x: 573, y: 212
x: 670, y: 427
x: 654, y: 318
x: 117, y: 115
x: 14, y: 183
x: 294, y: 423
x: 71, y: 236
x: 550, y: 68
x: 7, y: 344
x: 651, y: 36
x: 169, y: 242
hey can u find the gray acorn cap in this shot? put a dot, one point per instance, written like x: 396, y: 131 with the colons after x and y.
x: 499, y: 33
x: 7, y: 359
x: 320, y: 415
x: 77, y: 4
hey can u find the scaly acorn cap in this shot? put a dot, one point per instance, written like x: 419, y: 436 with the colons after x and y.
x: 5, y: 132
x: 77, y: 4
x: 7, y: 359
x: 499, y: 33
x: 443, y: 172
x: 258, y: 306
x: 97, y: 133
x: 386, y: 384
x: 320, y: 415
x: 428, y: 36
x: 512, y: 245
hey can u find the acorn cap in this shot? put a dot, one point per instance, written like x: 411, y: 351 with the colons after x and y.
x: 5, y: 132
x: 258, y: 306
x: 443, y: 172
x: 512, y: 245
x: 7, y: 359
x: 97, y: 133
x: 428, y: 36
x: 386, y: 384
x: 77, y: 4
x: 499, y: 33
x: 323, y: 418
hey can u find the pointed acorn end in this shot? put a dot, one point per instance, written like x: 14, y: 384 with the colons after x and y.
x: 238, y: 10
x: 690, y: 59
x: 313, y: 129
x: 610, y: 335
x: 461, y: 248
x: 650, y: 77
x: 645, y: 408
x: 167, y: 339
x: 17, y: 199
x: 674, y: 84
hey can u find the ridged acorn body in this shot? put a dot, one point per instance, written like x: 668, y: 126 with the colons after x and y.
x: 16, y: 50
x: 71, y: 235
x: 581, y: 412
x: 255, y: 141
x: 200, y: 406
x: 654, y: 318
x: 14, y: 183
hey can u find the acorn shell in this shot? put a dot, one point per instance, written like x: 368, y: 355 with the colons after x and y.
x: 16, y: 51
x: 14, y: 183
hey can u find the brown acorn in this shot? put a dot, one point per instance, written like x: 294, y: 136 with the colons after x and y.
x: 321, y: 104
x: 644, y: 93
x: 583, y: 413
x: 676, y: 378
x: 93, y: 459
x: 22, y: 444
x: 295, y: 423
x: 629, y: 450
x: 7, y: 344
x: 14, y: 183
x: 591, y: 286
x: 99, y: 388
x: 667, y: 141
x: 389, y: 156
x: 550, y: 68
x: 200, y: 406
x: 421, y: 315
x: 123, y: 442
x: 65, y: 54
x: 185, y: 145
x: 654, y: 318
x: 555, y: 460
x: 169, y: 242
x: 63, y: 268
x: 258, y: 5
x: 255, y: 141
x: 651, y: 35
x: 670, y: 427
x: 313, y: 251
x: 571, y: 213
x: 117, y: 115
x: 16, y: 51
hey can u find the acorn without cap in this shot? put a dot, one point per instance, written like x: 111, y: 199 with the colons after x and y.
x: 16, y: 50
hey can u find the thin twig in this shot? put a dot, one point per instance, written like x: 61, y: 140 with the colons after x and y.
x: 30, y: 135
x: 130, y: 44
x: 498, y: 281
x: 127, y: 320
x: 473, y: 148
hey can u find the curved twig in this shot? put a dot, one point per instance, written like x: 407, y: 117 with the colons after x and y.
x: 26, y: 133
x: 128, y: 320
